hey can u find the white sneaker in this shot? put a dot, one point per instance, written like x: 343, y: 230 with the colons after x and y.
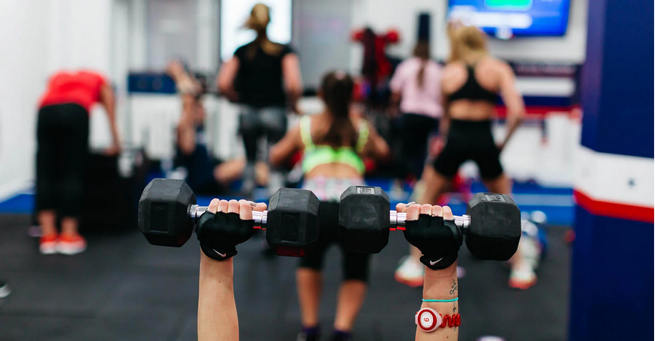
x: 48, y: 244
x: 410, y: 272
x: 71, y: 245
x: 4, y: 289
x: 417, y: 193
x: 522, y: 276
x: 397, y: 193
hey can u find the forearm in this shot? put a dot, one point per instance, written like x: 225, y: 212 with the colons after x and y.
x: 186, y: 139
x: 111, y: 114
x: 382, y: 150
x: 217, y: 312
x: 276, y: 157
x: 395, y: 99
x: 441, y: 285
x: 513, y: 122
x: 444, y: 125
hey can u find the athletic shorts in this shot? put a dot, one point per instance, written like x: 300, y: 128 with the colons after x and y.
x: 469, y: 140
x: 355, y: 266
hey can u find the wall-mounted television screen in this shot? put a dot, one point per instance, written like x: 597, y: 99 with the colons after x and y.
x: 507, y: 18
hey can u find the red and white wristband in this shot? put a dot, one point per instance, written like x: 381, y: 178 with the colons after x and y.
x: 429, y: 320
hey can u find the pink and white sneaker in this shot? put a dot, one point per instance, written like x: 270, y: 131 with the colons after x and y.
x: 522, y: 277
x: 48, y: 244
x: 410, y: 272
x: 71, y: 244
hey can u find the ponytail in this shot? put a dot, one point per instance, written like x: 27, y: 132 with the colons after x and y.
x: 420, y: 77
x: 258, y: 21
x: 422, y: 51
x: 337, y: 90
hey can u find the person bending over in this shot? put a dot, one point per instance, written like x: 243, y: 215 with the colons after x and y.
x: 471, y: 82
x: 227, y: 224
x: 333, y: 143
x: 264, y: 77
x: 62, y: 147
x: 205, y: 174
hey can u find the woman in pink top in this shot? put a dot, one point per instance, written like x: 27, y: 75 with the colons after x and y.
x: 416, y: 85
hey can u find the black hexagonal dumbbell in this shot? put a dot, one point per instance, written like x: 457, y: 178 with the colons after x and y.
x: 168, y: 212
x: 492, y: 224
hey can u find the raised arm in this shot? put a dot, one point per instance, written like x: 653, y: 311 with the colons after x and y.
x: 217, y: 312
x: 188, y: 88
x: 186, y: 130
x: 512, y: 99
x: 290, y: 143
x: 427, y: 231
x: 225, y: 79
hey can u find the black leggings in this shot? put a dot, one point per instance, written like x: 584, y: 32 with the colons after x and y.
x: 415, y: 132
x: 354, y: 265
x: 62, y: 147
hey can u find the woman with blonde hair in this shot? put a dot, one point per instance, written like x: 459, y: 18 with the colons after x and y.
x: 470, y: 84
x: 264, y: 77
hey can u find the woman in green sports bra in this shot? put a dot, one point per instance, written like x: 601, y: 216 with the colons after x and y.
x: 334, y: 143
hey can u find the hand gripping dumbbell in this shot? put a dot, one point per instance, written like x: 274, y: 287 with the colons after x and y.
x: 492, y: 224
x: 168, y: 213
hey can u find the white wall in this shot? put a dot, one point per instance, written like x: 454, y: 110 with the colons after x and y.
x: 79, y: 34
x: 41, y: 36
x: 23, y: 70
x: 402, y: 15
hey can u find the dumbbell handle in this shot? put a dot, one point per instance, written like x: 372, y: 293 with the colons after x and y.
x: 398, y: 219
x: 395, y: 218
x: 260, y: 218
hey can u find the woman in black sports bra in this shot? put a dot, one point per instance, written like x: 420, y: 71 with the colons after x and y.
x: 471, y: 83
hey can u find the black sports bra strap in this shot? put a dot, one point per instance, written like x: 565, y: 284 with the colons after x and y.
x: 472, y: 90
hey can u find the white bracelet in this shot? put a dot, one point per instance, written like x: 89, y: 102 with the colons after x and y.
x: 428, y: 320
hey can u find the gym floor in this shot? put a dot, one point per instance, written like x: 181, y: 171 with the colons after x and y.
x: 122, y: 288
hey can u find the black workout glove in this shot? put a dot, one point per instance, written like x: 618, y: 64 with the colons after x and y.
x: 219, y: 234
x: 438, y: 240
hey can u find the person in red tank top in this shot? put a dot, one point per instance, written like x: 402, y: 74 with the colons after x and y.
x: 62, y: 146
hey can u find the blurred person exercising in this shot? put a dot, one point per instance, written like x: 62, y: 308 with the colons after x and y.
x: 205, y: 174
x: 471, y: 82
x: 334, y: 143
x: 265, y: 78
x: 416, y: 92
x: 232, y: 222
x: 62, y: 147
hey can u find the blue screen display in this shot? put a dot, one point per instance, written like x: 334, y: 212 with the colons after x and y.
x: 506, y: 18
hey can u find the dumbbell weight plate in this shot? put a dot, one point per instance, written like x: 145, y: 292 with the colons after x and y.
x: 364, y: 219
x: 163, y: 216
x: 292, y: 222
x: 495, y: 228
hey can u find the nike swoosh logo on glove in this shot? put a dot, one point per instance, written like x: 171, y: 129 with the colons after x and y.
x: 432, y: 263
x: 223, y: 255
